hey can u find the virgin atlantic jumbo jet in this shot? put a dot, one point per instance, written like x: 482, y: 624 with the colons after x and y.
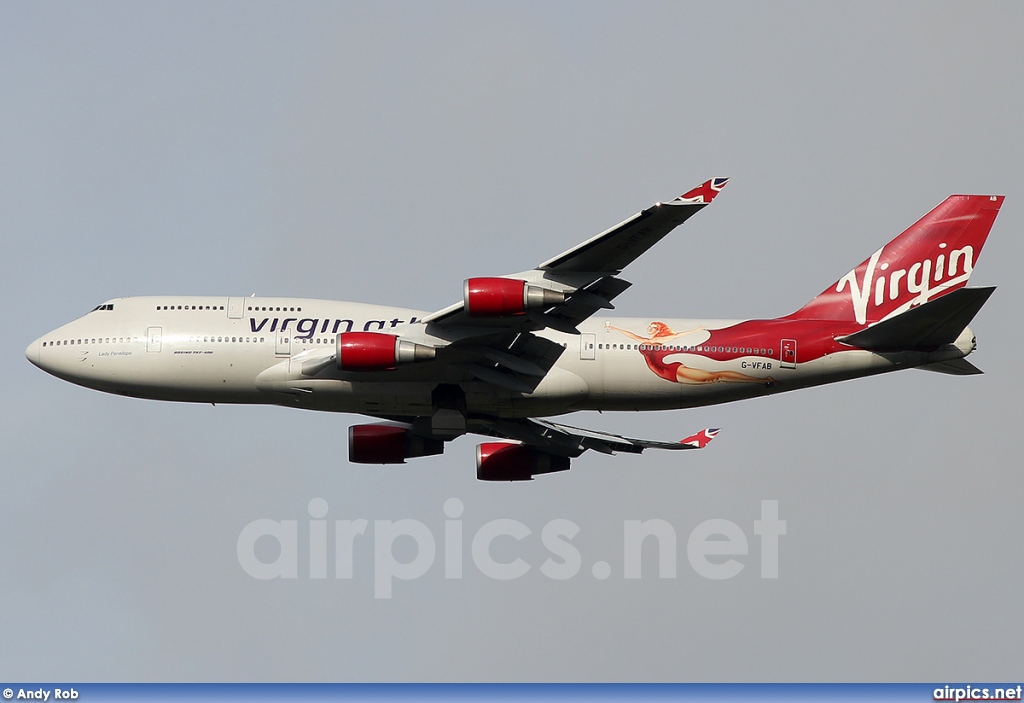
x: 536, y: 344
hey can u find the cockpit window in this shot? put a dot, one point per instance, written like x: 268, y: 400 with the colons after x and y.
x: 106, y: 306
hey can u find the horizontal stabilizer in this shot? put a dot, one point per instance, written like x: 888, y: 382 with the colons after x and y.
x: 930, y: 325
x: 954, y: 367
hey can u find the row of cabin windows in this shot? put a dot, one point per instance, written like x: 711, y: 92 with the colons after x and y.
x: 187, y: 307
x: 135, y: 340
x: 328, y: 340
x: 209, y: 307
x: 261, y: 340
x: 699, y: 348
x: 192, y: 339
x: 197, y: 339
x: 99, y: 340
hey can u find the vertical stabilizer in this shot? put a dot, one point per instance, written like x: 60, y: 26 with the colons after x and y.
x: 933, y: 257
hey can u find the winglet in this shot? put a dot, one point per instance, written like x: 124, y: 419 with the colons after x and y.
x: 705, y: 192
x: 701, y: 439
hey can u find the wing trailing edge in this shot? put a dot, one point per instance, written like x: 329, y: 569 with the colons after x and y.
x: 564, y: 440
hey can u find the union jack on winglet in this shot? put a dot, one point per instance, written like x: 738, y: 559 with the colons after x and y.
x: 701, y: 439
x: 705, y: 192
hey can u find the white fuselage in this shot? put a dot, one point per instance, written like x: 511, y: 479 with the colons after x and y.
x: 261, y: 350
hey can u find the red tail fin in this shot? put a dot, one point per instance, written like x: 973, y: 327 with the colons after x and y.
x: 932, y: 257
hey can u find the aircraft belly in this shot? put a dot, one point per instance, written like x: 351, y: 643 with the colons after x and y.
x: 282, y: 386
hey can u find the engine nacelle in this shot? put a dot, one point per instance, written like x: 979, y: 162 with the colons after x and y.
x: 388, y: 444
x: 504, y: 461
x: 503, y: 297
x: 376, y: 351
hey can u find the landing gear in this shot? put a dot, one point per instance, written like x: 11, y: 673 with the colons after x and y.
x: 449, y: 417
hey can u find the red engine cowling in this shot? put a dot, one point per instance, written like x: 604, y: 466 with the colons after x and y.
x: 504, y: 461
x: 388, y: 444
x: 376, y: 351
x: 502, y: 297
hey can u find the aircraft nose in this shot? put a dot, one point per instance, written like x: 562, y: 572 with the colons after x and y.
x: 32, y: 352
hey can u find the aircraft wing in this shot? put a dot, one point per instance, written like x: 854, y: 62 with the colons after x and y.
x: 612, y: 250
x: 490, y: 337
x: 584, y: 277
x: 499, y: 347
x: 564, y: 440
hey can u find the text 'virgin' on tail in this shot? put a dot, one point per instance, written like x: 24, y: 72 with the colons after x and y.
x: 933, y: 257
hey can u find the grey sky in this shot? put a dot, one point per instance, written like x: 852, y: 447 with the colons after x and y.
x: 383, y: 152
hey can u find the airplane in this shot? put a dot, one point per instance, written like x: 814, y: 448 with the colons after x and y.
x: 524, y: 347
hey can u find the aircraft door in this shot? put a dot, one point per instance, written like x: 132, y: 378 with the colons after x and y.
x: 154, y: 340
x: 788, y: 357
x: 283, y: 344
x: 236, y: 308
x: 588, y: 343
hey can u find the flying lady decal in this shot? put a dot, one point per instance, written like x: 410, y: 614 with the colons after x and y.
x: 655, y: 348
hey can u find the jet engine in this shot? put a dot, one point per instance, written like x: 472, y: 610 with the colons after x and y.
x: 388, y: 444
x: 503, y: 297
x: 504, y: 461
x: 376, y: 351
